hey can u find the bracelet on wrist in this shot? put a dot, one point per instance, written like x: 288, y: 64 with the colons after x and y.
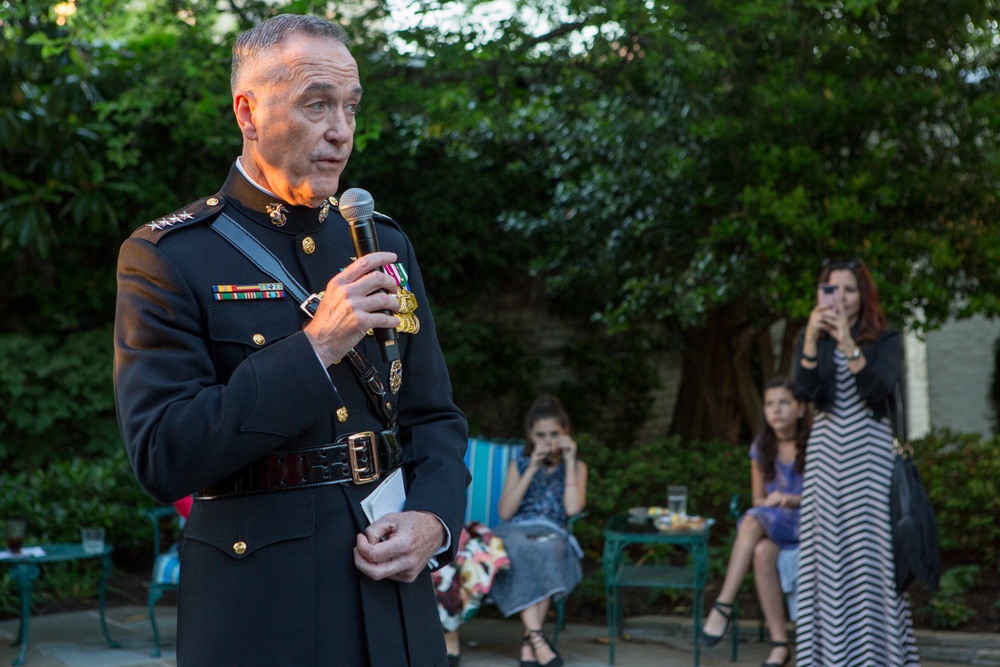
x: 806, y: 357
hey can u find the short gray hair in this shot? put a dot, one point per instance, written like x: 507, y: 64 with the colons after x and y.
x: 252, y: 43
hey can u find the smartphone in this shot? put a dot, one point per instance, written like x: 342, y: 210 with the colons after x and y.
x: 828, y: 295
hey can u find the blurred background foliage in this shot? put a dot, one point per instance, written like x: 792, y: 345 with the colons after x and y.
x: 593, y: 188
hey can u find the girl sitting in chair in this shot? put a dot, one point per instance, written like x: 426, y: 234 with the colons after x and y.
x: 778, y: 453
x: 545, y: 485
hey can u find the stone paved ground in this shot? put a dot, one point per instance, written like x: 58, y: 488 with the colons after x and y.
x: 75, y: 640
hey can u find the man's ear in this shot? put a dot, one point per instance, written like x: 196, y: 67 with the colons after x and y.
x: 244, y: 105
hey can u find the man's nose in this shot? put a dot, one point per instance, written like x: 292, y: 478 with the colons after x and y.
x: 340, y: 128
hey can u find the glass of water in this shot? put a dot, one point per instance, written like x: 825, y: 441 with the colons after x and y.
x: 677, y: 500
x: 92, y: 539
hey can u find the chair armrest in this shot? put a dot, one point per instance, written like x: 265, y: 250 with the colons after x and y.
x: 573, y: 519
x: 734, y: 506
x: 156, y: 515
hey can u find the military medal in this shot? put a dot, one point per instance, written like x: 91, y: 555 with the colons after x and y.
x: 239, y: 292
x: 408, y: 321
x: 395, y: 376
x: 277, y: 213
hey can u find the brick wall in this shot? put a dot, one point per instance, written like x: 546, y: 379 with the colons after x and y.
x: 959, y: 373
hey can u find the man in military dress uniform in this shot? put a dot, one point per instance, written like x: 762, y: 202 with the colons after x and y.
x: 280, y: 416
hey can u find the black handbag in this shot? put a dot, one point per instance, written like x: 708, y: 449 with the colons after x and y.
x: 915, y: 546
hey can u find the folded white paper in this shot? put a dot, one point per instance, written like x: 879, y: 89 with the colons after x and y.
x: 389, y: 497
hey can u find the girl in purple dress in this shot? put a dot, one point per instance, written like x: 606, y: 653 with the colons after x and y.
x: 778, y: 453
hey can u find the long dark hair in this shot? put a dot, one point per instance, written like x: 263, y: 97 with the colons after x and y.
x: 871, y: 319
x: 545, y: 406
x: 767, y: 439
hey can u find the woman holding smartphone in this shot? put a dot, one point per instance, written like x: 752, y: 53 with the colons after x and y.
x: 848, y: 363
x: 546, y: 484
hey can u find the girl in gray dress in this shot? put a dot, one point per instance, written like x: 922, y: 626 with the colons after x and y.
x: 545, y: 485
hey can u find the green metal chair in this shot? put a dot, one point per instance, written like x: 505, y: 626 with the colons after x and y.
x: 166, y: 566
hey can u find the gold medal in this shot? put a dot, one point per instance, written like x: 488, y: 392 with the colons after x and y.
x: 395, y: 376
x: 407, y: 301
x: 408, y: 323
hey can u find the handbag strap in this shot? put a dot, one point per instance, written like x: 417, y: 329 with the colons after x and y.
x: 900, y: 442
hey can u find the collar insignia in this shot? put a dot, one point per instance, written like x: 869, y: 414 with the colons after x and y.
x: 324, y: 209
x: 277, y: 213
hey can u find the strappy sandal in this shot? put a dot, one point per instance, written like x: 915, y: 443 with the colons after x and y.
x: 526, y: 641
x: 788, y: 655
x: 537, y: 639
x: 708, y: 640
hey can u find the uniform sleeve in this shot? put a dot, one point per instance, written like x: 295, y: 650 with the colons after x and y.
x: 182, y: 428
x: 433, y: 430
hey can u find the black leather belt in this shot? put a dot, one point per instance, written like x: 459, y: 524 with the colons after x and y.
x: 357, y: 458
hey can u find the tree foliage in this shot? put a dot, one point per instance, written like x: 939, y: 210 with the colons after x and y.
x: 675, y: 173
x: 703, y: 158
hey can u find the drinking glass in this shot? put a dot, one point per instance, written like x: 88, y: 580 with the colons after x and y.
x: 677, y: 500
x: 93, y: 540
x: 16, y: 530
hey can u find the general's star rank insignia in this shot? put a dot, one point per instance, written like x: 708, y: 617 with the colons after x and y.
x: 169, y: 221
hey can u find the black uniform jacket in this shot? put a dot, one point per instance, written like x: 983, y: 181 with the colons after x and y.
x: 876, y: 381
x: 205, y: 387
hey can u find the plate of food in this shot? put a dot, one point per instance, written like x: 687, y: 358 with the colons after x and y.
x: 679, y: 523
x: 638, y: 514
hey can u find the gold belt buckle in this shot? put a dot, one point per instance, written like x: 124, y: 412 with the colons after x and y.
x: 364, y: 457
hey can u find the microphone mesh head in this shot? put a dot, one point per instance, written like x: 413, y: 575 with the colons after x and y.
x: 356, y: 204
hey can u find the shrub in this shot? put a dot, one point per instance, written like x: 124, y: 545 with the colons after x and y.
x: 961, y: 473
x: 57, y: 394
x: 60, y: 498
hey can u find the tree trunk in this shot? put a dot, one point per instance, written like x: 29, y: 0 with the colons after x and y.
x: 719, y: 396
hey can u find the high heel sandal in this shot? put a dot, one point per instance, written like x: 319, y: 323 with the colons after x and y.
x: 708, y: 640
x: 788, y: 655
x: 536, y: 636
x: 526, y: 641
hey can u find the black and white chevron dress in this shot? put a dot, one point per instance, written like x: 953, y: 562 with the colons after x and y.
x: 849, y: 613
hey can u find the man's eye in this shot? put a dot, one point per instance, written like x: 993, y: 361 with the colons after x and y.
x: 316, y: 106
x: 353, y: 109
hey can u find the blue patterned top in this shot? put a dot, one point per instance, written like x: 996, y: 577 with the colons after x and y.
x: 544, y: 497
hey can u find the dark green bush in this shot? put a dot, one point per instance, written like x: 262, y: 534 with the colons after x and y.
x: 60, y: 498
x: 65, y: 495
x: 962, y: 475
x: 56, y: 390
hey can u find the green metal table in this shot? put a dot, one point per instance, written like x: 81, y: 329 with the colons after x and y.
x: 621, y: 531
x: 25, y: 569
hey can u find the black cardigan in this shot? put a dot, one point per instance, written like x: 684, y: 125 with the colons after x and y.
x: 875, y: 381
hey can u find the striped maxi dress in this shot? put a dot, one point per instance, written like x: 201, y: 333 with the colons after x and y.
x: 849, y: 612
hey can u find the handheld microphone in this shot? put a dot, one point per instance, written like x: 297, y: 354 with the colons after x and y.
x: 357, y: 207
